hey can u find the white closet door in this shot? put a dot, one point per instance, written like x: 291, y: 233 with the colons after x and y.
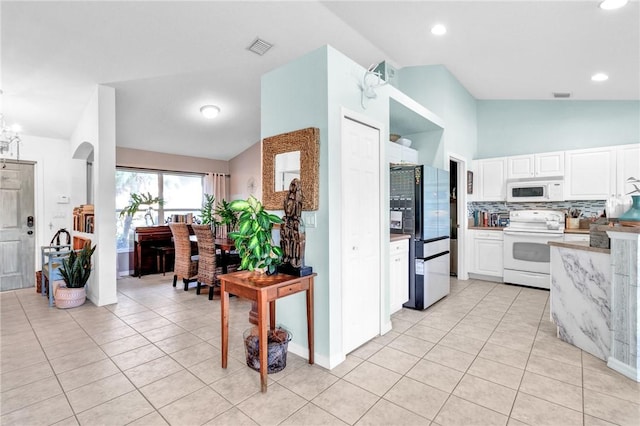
x: 360, y: 233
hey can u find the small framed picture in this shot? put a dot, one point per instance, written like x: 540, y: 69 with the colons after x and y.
x: 469, y: 182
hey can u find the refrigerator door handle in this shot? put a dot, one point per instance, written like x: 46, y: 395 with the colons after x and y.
x: 433, y: 257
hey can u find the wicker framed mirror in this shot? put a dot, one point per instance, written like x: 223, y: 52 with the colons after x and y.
x: 295, y: 153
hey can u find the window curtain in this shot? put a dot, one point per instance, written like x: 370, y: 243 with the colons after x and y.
x: 215, y: 184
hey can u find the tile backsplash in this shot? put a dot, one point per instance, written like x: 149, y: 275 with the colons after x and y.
x: 589, y: 208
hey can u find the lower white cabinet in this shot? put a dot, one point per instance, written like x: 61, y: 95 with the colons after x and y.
x: 486, y: 257
x: 399, y: 274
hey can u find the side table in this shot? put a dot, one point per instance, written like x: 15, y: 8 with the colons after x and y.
x: 265, y: 290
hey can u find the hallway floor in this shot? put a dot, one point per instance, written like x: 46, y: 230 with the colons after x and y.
x: 485, y: 355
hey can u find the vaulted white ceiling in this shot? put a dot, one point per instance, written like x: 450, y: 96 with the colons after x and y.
x: 168, y: 58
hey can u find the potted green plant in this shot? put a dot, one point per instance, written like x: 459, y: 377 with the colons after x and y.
x: 228, y: 217
x: 75, y: 271
x: 207, y: 213
x: 253, y: 239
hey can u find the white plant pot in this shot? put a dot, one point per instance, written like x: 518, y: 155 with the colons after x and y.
x: 69, y: 297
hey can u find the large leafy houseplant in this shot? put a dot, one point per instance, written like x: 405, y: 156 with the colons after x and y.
x: 253, y: 238
x: 208, y: 212
x: 76, y: 268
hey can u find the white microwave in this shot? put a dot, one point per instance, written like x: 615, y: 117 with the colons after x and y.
x: 535, y: 190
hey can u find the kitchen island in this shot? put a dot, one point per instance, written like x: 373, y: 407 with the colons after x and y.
x: 581, y: 296
x: 594, y: 297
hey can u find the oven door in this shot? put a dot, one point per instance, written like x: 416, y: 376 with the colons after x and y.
x: 528, y: 251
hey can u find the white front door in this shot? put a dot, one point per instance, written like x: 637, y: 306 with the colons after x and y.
x: 17, y: 226
x: 361, y: 276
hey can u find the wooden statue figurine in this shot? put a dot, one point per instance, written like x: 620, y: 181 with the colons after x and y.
x: 292, y: 233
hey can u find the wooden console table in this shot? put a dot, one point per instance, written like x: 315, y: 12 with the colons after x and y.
x: 263, y: 289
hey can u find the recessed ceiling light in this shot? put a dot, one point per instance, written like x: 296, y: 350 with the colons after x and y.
x: 612, y: 4
x: 210, y: 111
x: 599, y: 77
x: 438, y: 30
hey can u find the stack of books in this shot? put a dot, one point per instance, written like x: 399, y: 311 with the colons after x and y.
x: 83, y: 218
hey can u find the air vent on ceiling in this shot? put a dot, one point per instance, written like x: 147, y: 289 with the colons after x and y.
x: 259, y: 46
x: 561, y: 95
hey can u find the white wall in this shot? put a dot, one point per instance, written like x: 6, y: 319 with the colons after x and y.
x: 97, y: 127
x: 52, y: 179
x: 244, y: 166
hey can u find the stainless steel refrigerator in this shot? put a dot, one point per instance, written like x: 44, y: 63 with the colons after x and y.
x: 420, y: 208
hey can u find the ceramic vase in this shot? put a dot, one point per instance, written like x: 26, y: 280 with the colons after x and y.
x: 66, y: 297
x: 633, y: 214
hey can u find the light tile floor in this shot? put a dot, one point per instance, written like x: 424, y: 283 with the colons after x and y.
x: 485, y: 355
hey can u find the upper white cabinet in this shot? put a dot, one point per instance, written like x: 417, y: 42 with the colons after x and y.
x: 627, y: 165
x: 489, y: 180
x: 549, y: 164
x: 535, y: 165
x: 398, y: 154
x: 590, y: 173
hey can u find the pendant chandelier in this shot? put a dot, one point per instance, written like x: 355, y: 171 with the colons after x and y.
x: 9, y: 140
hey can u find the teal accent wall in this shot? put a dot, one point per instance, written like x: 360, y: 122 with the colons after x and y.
x: 313, y: 91
x: 526, y: 127
x: 439, y: 91
x: 294, y: 97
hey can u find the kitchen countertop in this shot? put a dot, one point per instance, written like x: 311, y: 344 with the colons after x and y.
x: 576, y: 231
x: 398, y: 237
x: 579, y: 245
x: 488, y: 228
x: 626, y: 229
x: 501, y: 228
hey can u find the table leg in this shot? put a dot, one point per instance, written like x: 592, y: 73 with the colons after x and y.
x: 224, y: 312
x: 272, y: 315
x: 139, y: 258
x: 262, y: 336
x: 310, y: 320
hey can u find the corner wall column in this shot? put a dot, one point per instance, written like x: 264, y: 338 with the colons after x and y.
x: 625, y: 295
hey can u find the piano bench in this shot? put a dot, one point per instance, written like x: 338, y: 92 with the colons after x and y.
x: 161, y: 256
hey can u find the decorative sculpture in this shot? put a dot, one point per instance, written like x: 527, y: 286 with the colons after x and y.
x: 292, y: 233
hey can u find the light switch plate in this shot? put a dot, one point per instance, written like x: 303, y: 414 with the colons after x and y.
x: 63, y: 199
x: 309, y: 219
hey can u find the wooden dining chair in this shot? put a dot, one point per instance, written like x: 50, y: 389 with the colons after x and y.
x: 186, y: 264
x: 207, y: 274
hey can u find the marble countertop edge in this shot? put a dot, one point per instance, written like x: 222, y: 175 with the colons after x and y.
x: 579, y: 245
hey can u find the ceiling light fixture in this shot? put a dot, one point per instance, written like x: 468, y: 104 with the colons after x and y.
x: 210, y: 111
x: 438, y: 30
x: 612, y: 4
x: 599, y: 77
x: 8, y: 137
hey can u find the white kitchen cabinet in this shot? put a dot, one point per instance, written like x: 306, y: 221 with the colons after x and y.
x: 547, y: 164
x: 398, y: 274
x: 590, y: 173
x: 398, y: 154
x: 490, y: 179
x: 520, y: 166
x: 627, y: 165
x: 486, y: 253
